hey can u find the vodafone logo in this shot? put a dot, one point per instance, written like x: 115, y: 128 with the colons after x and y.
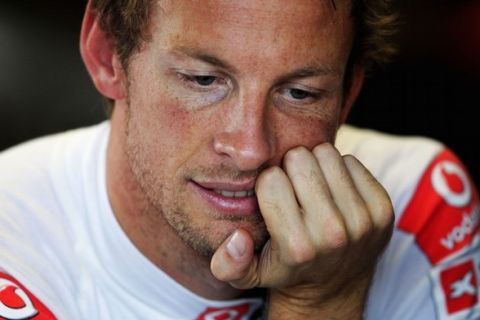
x: 465, y: 230
x: 14, y: 302
x: 228, y: 313
x: 444, y: 211
x: 235, y: 312
x: 222, y: 314
x: 441, y: 182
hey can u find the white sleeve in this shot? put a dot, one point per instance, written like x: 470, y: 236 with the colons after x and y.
x: 431, y: 268
x: 401, y: 287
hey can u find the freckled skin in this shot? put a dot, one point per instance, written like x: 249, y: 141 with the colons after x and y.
x: 165, y: 134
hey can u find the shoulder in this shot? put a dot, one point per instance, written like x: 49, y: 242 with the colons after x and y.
x: 399, y: 163
x: 434, y: 254
x: 35, y: 176
x: 29, y: 168
x: 43, y: 152
x: 39, y: 179
x: 42, y: 199
x: 431, y: 189
x: 442, y: 216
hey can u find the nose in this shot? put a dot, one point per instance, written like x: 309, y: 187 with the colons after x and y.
x: 246, y: 138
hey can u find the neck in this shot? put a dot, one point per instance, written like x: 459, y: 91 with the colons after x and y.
x: 147, y: 228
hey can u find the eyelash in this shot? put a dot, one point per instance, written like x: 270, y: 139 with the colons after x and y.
x: 191, y: 80
x: 310, y: 96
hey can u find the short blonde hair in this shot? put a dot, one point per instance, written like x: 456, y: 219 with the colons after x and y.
x: 127, y: 21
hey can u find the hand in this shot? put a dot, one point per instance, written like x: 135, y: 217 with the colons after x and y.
x: 328, y: 220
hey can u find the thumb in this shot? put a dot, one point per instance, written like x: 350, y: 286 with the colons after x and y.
x: 235, y: 261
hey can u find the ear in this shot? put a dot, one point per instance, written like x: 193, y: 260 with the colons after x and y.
x: 358, y: 76
x: 100, y: 58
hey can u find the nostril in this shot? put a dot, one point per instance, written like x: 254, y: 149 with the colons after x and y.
x: 223, y: 144
x: 246, y: 151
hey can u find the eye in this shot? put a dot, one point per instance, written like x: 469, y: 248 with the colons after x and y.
x: 201, y: 88
x: 204, y: 81
x: 299, y: 94
x: 295, y: 96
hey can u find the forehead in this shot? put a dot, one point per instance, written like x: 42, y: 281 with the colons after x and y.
x: 250, y: 10
x: 272, y: 14
x: 274, y: 28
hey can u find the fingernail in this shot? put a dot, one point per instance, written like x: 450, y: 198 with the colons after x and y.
x: 235, y: 246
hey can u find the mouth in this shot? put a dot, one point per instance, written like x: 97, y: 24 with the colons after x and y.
x: 235, y: 194
x: 237, y: 199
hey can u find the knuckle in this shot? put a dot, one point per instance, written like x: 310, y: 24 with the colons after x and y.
x: 246, y: 283
x: 363, y: 228
x: 349, y: 158
x: 386, y: 206
x: 336, y: 237
x: 337, y: 241
x: 387, y: 220
x: 250, y: 278
x: 324, y: 150
x: 385, y: 214
x: 299, y: 252
x: 269, y: 173
x: 352, y: 163
x: 270, y: 206
x: 268, y: 177
x: 220, y: 273
x: 293, y: 156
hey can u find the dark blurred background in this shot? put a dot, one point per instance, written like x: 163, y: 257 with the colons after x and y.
x: 431, y: 89
x: 44, y: 87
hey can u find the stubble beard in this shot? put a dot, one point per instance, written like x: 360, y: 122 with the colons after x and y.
x: 200, y: 238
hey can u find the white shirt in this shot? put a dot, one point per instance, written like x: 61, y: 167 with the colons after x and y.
x: 59, y: 237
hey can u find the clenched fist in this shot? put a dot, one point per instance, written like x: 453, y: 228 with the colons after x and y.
x: 329, y: 220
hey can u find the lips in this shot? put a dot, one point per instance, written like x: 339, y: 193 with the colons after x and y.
x: 228, y: 198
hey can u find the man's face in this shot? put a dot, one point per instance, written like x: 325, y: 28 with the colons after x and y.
x: 222, y: 91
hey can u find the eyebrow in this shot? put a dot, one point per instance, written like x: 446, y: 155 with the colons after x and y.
x: 310, y: 71
x: 313, y: 71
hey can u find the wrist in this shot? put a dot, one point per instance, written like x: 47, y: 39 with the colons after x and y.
x: 308, y: 303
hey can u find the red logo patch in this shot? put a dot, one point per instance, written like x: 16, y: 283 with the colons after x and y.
x: 459, y: 284
x: 17, y: 303
x: 444, y: 212
x: 237, y: 312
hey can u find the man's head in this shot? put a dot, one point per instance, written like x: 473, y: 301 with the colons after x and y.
x: 209, y: 93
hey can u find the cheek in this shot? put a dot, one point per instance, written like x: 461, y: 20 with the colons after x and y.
x: 308, y: 134
x: 307, y: 131
x: 169, y: 132
x: 163, y: 129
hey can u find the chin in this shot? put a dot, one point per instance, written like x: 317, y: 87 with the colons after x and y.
x: 206, y: 240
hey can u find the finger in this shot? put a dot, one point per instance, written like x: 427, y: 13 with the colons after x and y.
x: 235, y: 262
x: 278, y: 205
x: 344, y: 192
x: 373, y: 193
x: 321, y: 215
x: 291, y: 244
